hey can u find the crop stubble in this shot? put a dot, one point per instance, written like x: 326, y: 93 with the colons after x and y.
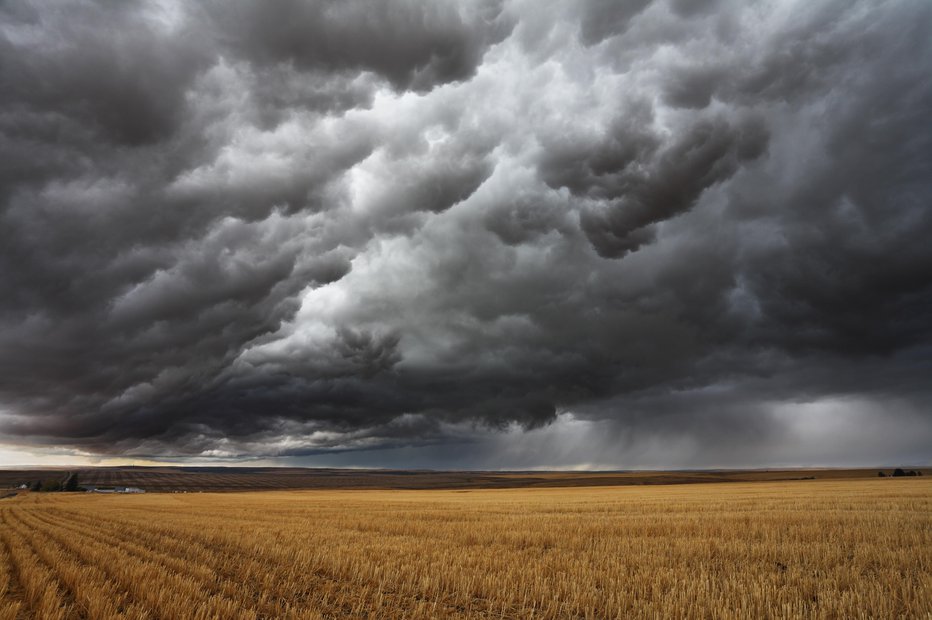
x: 834, y: 549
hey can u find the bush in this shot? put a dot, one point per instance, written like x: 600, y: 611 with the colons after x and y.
x: 49, y: 486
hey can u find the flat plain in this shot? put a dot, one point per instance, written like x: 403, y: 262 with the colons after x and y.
x: 235, y: 479
x: 843, y: 548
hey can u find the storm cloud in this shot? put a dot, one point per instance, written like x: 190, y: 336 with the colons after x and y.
x: 492, y: 233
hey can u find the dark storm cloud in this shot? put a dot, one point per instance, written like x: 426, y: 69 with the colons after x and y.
x: 412, y: 44
x: 602, y: 19
x: 120, y: 87
x: 640, y: 195
x: 472, y: 227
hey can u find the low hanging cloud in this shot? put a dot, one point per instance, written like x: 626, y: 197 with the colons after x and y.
x: 465, y: 229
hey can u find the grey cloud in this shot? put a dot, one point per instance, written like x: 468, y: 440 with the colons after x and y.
x: 63, y: 79
x: 456, y: 233
x: 692, y: 8
x: 635, y: 194
x: 604, y: 18
x: 411, y: 44
x: 692, y: 87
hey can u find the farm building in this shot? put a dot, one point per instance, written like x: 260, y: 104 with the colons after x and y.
x: 91, y: 489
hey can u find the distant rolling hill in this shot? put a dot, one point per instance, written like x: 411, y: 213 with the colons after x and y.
x: 195, y: 479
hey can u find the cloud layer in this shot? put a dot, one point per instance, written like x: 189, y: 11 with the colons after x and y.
x: 229, y: 231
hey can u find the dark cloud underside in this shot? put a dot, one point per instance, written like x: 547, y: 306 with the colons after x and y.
x: 455, y: 227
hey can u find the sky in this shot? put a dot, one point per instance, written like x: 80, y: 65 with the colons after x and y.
x: 450, y: 234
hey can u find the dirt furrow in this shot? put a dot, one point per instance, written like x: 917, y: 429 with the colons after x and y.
x: 260, y: 570
x: 42, y: 594
x: 11, y: 592
x: 90, y: 586
x: 151, y: 577
x: 232, y: 570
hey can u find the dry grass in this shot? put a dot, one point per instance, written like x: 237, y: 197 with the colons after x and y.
x: 833, y: 549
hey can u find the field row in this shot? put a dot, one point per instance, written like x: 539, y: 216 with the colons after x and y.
x: 828, y: 549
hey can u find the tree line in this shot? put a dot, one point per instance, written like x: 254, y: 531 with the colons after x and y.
x: 51, y: 485
x: 899, y: 472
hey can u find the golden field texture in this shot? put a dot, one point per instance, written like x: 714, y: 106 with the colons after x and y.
x: 829, y: 549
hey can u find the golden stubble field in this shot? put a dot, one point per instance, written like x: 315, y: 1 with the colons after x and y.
x: 832, y: 549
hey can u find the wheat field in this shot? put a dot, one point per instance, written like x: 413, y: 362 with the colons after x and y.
x: 815, y: 549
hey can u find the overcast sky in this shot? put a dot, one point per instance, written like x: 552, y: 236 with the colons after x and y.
x: 447, y: 234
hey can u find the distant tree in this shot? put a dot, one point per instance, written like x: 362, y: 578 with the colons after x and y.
x: 880, y: 474
x: 49, y: 486
x: 911, y: 472
x: 71, y: 483
x: 36, y: 486
x: 898, y: 472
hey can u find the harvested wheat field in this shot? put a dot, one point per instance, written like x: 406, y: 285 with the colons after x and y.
x: 834, y: 549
